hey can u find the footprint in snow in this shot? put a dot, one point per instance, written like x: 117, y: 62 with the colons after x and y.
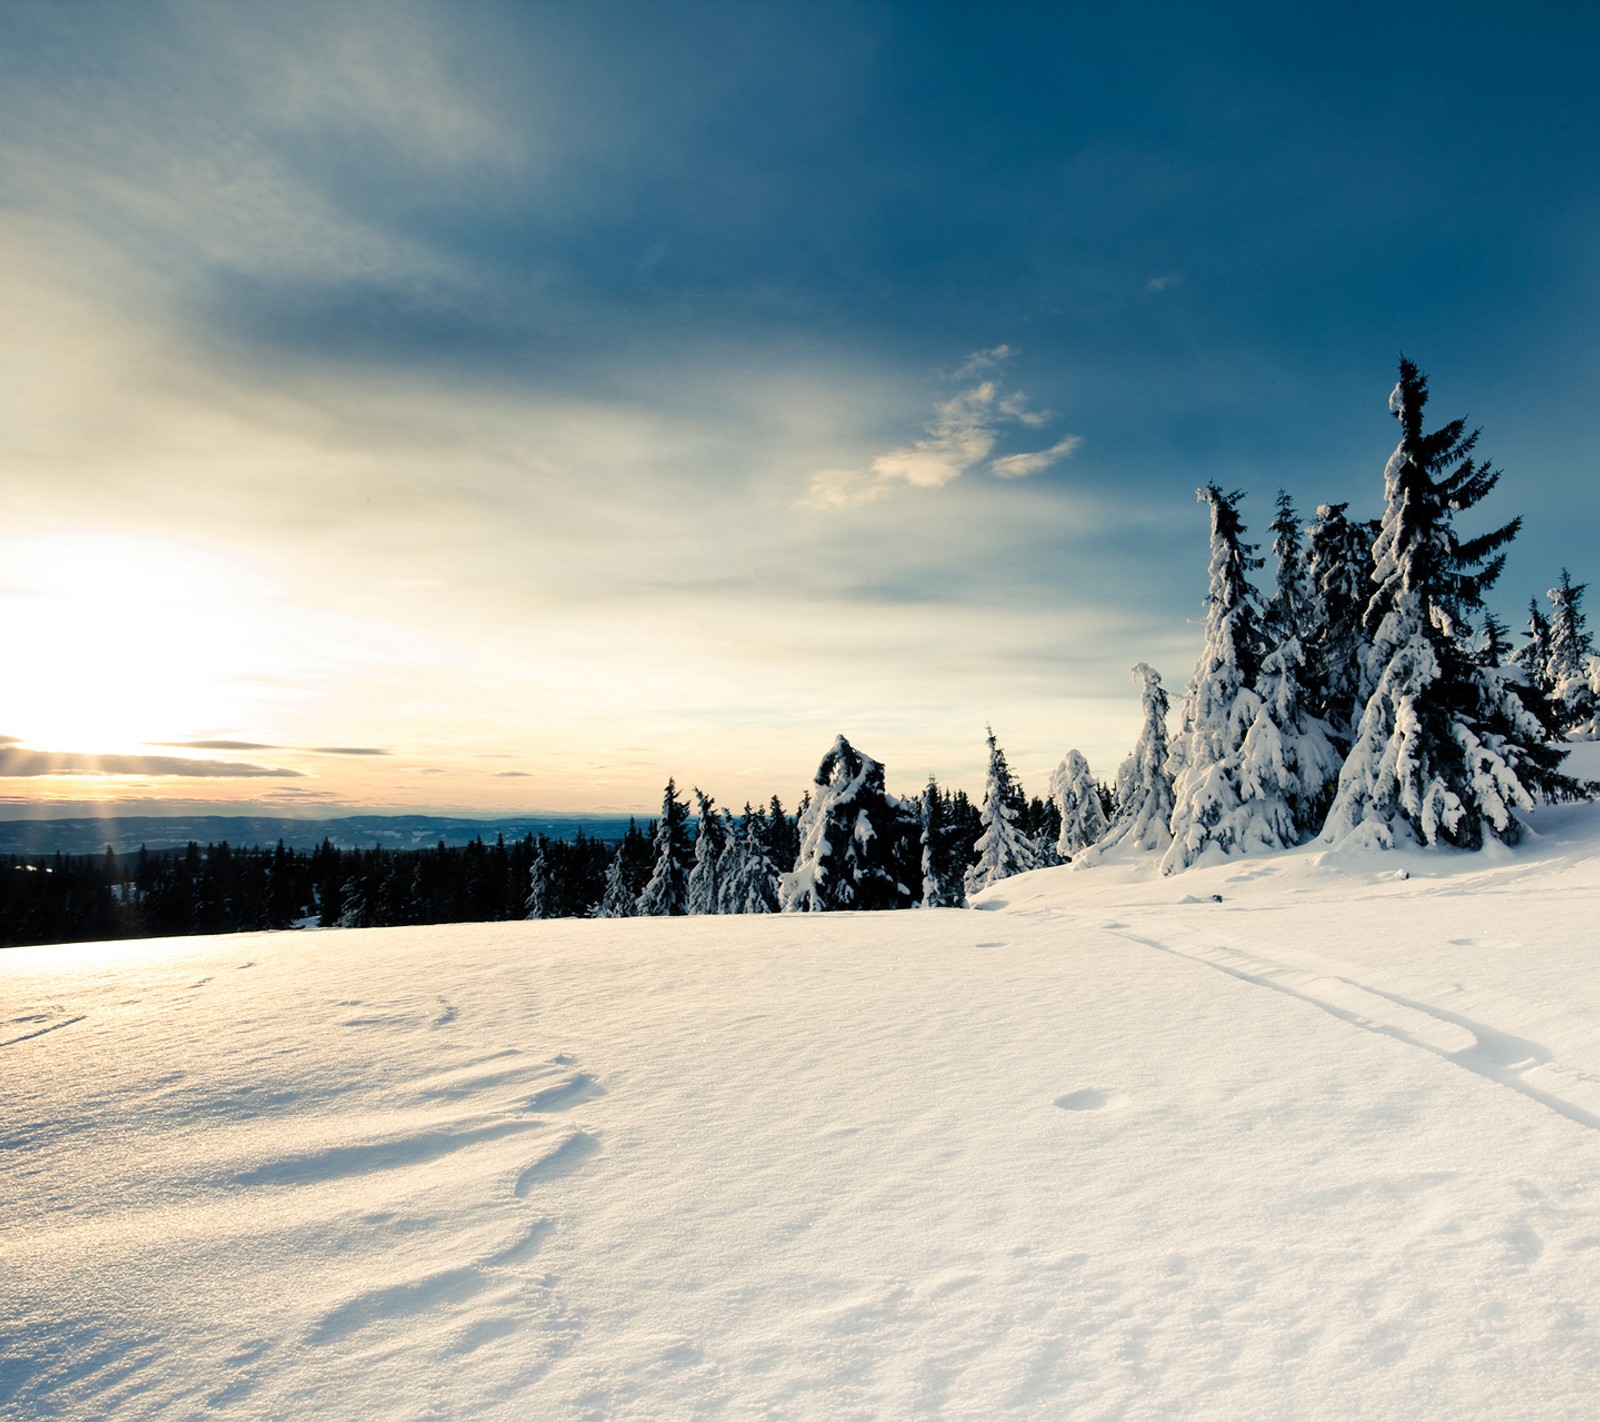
x: 1092, y: 1098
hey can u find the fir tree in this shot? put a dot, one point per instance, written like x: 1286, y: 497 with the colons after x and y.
x: 940, y: 887
x: 1533, y: 656
x: 538, y: 903
x: 1209, y: 809
x: 1445, y: 749
x: 1338, y: 570
x: 754, y: 886
x: 667, y: 893
x: 1143, y: 792
x: 1286, y: 611
x: 1004, y: 847
x: 1494, y: 646
x: 855, y: 840
x: 618, y: 899
x: 1077, y: 801
x: 702, y: 889
x: 1570, y: 650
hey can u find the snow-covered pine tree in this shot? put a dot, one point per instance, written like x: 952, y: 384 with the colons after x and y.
x: 940, y: 888
x: 1571, y: 649
x: 855, y: 840
x: 1221, y: 704
x: 702, y: 888
x: 1494, y: 644
x: 537, y: 904
x: 1003, y: 848
x: 1143, y: 791
x: 618, y: 899
x: 1445, y: 749
x: 753, y: 884
x: 1338, y: 571
x: 1533, y: 656
x: 667, y: 892
x: 1285, y: 612
x: 1077, y: 801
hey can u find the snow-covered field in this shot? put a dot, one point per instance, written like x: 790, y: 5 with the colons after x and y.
x: 1327, y: 1148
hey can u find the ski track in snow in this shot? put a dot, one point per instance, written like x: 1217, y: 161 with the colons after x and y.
x: 1487, y: 1051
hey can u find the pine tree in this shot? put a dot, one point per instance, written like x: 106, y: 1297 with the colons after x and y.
x: 1285, y: 615
x: 1143, y: 792
x: 702, y: 889
x: 1338, y: 570
x: 618, y: 899
x: 940, y: 887
x: 1445, y: 749
x: 1077, y: 801
x: 856, y: 840
x: 1570, y: 649
x: 1003, y: 848
x: 753, y: 886
x: 1209, y: 810
x: 1494, y: 647
x: 667, y: 893
x: 538, y: 903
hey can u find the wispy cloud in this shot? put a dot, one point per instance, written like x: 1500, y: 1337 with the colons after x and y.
x: 17, y: 763
x: 266, y: 746
x: 1019, y: 466
x: 963, y: 434
x: 1164, y: 282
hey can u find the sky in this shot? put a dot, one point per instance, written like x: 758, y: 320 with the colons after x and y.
x: 502, y: 407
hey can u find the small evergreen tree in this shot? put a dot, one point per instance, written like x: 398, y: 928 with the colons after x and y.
x: 1445, y: 749
x: 856, y: 841
x: 940, y: 887
x: 1077, y: 801
x: 618, y: 899
x: 1338, y: 569
x: 538, y: 903
x: 667, y: 893
x: 702, y: 889
x: 1143, y: 793
x: 1004, y: 848
x: 753, y: 885
x: 1570, y: 651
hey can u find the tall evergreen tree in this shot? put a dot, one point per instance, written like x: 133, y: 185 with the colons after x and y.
x: 752, y: 885
x: 1445, y: 749
x: 1003, y: 848
x: 1077, y: 800
x: 1209, y: 809
x: 1286, y: 611
x: 667, y: 893
x: 857, y: 843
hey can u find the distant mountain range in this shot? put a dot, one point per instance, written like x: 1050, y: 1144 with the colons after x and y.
x: 127, y: 833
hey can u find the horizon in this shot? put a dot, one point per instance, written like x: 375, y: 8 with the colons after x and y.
x: 431, y: 410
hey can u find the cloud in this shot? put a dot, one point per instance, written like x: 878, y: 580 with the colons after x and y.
x: 962, y: 434
x: 265, y: 746
x: 1019, y: 466
x: 1164, y: 283
x: 512, y: 775
x: 17, y: 763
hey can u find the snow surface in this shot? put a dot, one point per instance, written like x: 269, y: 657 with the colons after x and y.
x: 1108, y: 1147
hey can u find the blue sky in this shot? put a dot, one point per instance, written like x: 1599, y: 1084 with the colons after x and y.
x: 557, y: 397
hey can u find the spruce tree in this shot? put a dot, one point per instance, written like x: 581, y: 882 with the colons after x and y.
x: 667, y: 893
x: 1209, y: 812
x: 857, y: 842
x: 1077, y: 801
x: 702, y: 888
x: 538, y: 903
x: 1570, y: 650
x: 1143, y: 792
x: 1003, y: 848
x: 752, y: 886
x: 940, y: 887
x: 618, y: 899
x: 1445, y: 751
x: 1339, y: 584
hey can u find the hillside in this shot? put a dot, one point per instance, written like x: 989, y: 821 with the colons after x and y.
x: 1323, y: 1146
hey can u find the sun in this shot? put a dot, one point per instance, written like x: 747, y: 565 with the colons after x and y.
x: 119, y: 640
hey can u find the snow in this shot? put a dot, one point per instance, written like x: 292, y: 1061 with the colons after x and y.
x: 1310, y: 1135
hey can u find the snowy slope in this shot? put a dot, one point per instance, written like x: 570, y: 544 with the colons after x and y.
x: 1327, y: 1148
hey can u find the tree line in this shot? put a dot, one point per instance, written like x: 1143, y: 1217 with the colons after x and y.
x: 1369, y: 697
